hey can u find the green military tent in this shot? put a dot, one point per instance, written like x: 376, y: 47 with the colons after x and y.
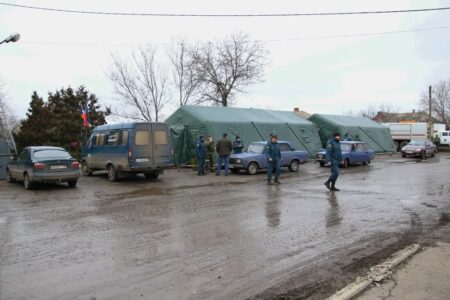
x: 251, y: 124
x: 377, y: 136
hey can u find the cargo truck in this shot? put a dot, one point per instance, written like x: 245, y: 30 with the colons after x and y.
x: 403, y: 133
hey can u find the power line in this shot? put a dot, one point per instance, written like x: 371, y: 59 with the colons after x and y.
x: 225, y: 15
x: 268, y: 40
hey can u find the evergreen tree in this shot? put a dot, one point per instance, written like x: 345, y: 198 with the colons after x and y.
x: 57, y: 122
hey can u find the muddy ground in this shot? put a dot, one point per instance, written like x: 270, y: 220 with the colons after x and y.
x: 188, y: 237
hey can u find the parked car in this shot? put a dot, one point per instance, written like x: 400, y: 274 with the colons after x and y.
x: 353, y: 152
x: 254, y: 158
x: 42, y: 164
x: 128, y: 148
x: 420, y: 148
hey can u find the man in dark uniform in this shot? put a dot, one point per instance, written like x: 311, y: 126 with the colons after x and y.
x: 237, y: 145
x: 333, y: 158
x: 273, y: 154
x: 201, y: 154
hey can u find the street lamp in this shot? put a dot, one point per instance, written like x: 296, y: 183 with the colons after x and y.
x: 12, y: 38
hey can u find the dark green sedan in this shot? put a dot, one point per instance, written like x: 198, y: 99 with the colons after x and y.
x: 42, y: 164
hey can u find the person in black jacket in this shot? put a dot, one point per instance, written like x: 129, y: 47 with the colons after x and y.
x: 223, y: 148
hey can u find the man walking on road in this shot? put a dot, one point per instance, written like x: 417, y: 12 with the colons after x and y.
x: 273, y: 154
x: 333, y: 158
x: 223, y: 148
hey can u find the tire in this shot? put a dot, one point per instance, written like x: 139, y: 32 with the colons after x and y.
x: 346, y: 163
x: 403, y: 155
x: 27, y: 183
x: 322, y: 164
x: 151, y: 175
x: 112, y: 173
x: 85, y: 169
x: 9, y: 177
x: 432, y: 154
x: 72, y: 183
x: 294, y: 166
x: 252, y: 168
x: 365, y: 163
x: 396, y: 146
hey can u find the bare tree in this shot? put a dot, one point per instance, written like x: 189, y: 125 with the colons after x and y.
x: 141, y: 84
x: 372, y: 111
x: 11, y: 121
x: 440, y: 101
x: 227, y: 67
x: 183, y: 73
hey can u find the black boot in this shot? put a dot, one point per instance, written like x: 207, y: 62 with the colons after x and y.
x: 269, y: 182
x: 277, y: 181
x: 333, y: 188
x: 327, y: 184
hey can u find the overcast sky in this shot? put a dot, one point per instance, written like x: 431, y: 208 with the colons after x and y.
x: 312, y: 65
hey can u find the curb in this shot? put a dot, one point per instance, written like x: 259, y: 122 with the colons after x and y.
x: 375, y: 274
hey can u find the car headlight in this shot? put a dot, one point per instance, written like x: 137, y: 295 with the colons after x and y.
x: 238, y: 161
x: 418, y: 150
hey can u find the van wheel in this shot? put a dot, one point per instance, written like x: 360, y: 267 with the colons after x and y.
x: 151, y: 175
x: 293, y: 167
x: 252, y: 168
x: 85, y: 169
x: 27, y: 183
x: 112, y: 173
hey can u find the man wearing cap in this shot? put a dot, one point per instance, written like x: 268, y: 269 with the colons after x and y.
x: 273, y: 154
x: 333, y: 157
x: 237, y: 145
x: 201, y: 154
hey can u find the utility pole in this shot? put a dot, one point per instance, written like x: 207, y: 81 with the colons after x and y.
x: 430, y: 129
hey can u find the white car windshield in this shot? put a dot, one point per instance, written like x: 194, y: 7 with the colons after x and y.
x: 256, y: 148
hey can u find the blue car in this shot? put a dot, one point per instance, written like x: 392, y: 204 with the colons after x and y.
x: 254, y: 158
x: 353, y: 152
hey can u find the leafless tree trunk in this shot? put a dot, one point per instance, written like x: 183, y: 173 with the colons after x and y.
x: 141, y: 84
x: 440, y: 101
x: 183, y: 72
x: 11, y: 121
x: 227, y: 67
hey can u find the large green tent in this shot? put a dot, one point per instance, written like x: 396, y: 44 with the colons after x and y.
x: 251, y: 124
x: 377, y: 136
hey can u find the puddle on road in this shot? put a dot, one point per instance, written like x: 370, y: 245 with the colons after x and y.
x: 160, y: 191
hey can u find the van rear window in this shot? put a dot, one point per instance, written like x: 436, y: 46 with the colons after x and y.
x: 142, y: 138
x: 160, y: 137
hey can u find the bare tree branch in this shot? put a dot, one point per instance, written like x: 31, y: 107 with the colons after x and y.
x: 141, y: 84
x: 440, y: 101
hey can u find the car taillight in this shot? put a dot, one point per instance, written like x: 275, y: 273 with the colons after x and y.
x: 129, y: 153
x: 75, y: 165
x: 39, y: 166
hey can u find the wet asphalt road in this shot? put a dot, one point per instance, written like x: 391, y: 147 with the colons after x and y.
x: 189, y: 237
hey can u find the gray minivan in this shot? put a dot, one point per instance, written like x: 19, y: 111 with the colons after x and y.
x: 128, y: 148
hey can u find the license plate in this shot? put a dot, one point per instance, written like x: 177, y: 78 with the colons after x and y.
x: 58, y: 167
x: 409, y: 152
x: 142, y: 159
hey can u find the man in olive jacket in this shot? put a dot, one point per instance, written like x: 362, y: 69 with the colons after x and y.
x: 223, y: 148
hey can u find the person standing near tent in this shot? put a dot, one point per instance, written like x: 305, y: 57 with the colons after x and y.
x: 333, y: 158
x: 209, y: 143
x: 348, y: 136
x: 201, y: 154
x: 273, y: 154
x: 237, y: 145
x: 223, y: 148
